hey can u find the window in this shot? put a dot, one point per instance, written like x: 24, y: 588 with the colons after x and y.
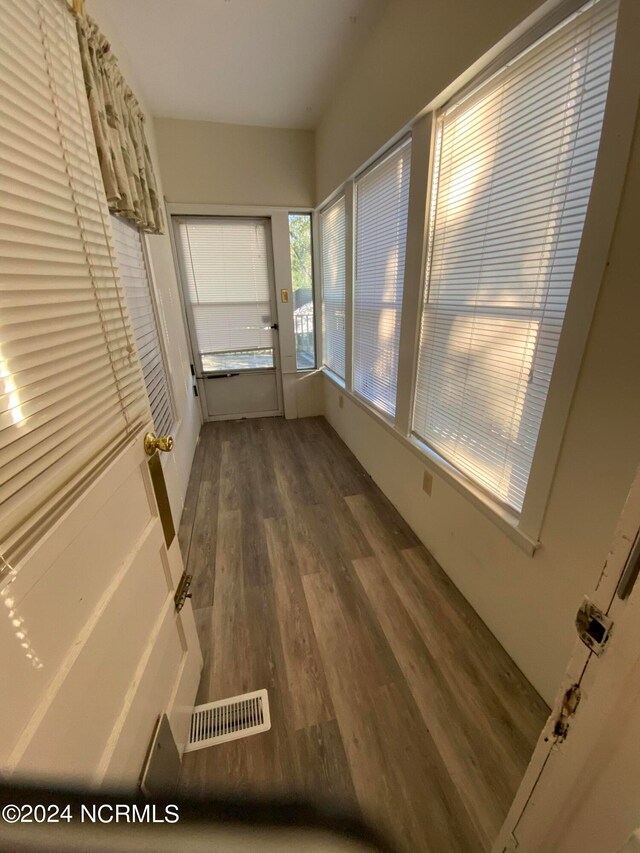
x: 382, y: 200
x: 333, y: 242
x: 225, y: 264
x: 514, y: 164
x: 71, y: 392
x: 134, y: 277
x: 302, y: 284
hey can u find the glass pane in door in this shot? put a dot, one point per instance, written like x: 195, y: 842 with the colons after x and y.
x: 226, y: 267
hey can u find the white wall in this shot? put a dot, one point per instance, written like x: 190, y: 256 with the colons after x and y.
x: 177, y: 465
x: 529, y: 603
x: 416, y: 50
x: 223, y: 169
x: 205, y: 162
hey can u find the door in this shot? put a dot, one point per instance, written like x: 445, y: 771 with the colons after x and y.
x: 92, y: 649
x: 581, y: 792
x: 226, y: 268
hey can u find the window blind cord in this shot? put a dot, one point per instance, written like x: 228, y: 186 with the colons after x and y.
x: 193, y: 271
x: 90, y: 148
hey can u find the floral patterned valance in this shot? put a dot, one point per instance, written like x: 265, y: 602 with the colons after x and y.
x: 118, y: 126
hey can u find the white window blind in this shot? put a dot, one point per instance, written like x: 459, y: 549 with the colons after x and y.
x: 225, y: 263
x: 514, y: 166
x: 382, y: 201
x: 137, y: 287
x: 333, y: 243
x: 71, y: 390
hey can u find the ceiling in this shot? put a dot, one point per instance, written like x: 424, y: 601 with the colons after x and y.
x: 262, y: 62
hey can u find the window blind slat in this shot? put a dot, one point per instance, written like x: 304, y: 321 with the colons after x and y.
x: 226, y: 266
x: 514, y: 164
x: 71, y: 390
x: 382, y: 201
x: 137, y: 288
x: 333, y: 237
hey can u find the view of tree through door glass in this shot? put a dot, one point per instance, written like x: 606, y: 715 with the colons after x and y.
x: 302, y: 283
x: 225, y: 263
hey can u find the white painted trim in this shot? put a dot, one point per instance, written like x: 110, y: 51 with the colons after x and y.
x: 186, y: 209
x: 349, y: 280
x: 413, y: 271
x: 274, y: 413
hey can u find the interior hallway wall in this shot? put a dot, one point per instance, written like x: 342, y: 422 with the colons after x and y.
x: 416, y: 50
x: 206, y: 162
x: 176, y: 465
x: 529, y: 603
x: 236, y: 167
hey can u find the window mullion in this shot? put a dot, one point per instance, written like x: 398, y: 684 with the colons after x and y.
x: 349, y: 203
x: 421, y: 150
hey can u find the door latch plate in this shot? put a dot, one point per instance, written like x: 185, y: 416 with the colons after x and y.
x: 593, y: 626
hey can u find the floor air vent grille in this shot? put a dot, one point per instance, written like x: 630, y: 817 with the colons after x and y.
x: 229, y: 719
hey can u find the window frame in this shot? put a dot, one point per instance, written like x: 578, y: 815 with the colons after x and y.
x: 312, y: 236
x: 606, y: 193
x: 405, y: 140
x: 346, y: 194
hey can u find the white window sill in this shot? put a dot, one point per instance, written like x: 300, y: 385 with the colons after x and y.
x: 507, y: 521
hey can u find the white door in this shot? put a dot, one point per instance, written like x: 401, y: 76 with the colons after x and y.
x: 226, y: 268
x: 581, y: 792
x: 92, y: 650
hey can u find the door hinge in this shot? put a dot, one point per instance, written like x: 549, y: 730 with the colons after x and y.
x: 182, y: 592
x: 570, y: 702
x: 593, y: 626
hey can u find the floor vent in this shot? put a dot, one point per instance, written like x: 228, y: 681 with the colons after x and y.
x: 229, y: 719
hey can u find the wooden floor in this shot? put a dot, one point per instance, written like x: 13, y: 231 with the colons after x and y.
x: 387, y: 692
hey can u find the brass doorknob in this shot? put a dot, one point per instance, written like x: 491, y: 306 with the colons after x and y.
x: 153, y: 443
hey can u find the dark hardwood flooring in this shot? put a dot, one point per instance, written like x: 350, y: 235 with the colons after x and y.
x: 387, y: 692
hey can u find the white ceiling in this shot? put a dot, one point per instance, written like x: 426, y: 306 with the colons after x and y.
x: 262, y: 62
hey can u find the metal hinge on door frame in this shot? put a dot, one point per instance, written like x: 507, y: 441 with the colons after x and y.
x: 182, y: 592
x: 570, y: 703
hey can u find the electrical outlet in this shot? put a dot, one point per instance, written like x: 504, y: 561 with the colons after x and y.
x: 340, y: 401
x: 427, y: 482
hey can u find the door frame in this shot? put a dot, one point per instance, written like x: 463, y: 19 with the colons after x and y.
x: 201, y: 375
x: 281, y: 260
x: 551, y: 766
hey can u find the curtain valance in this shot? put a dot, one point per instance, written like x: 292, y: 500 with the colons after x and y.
x: 118, y: 126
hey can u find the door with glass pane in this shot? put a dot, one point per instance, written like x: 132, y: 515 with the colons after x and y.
x: 226, y: 269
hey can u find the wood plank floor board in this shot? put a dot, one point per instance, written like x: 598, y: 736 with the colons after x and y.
x: 386, y: 744
x: 322, y: 770
x: 427, y: 591
x: 466, y: 756
x: 387, y: 692
x: 463, y: 672
x: 306, y: 681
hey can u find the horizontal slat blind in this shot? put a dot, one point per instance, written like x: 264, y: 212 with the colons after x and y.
x: 137, y: 288
x: 514, y: 166
x: 333, y: 244
x: 382, y: 201
x: 226, y: 266
x: 70, y: 384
